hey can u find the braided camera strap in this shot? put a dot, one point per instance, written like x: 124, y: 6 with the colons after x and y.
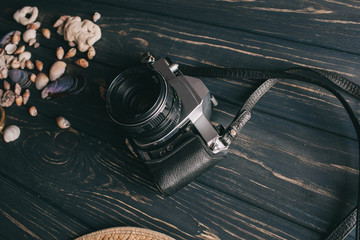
x: 330, y: 82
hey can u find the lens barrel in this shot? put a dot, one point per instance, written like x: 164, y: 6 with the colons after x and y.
x: 143, y: 103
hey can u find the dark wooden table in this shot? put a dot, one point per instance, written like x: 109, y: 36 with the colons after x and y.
x: 291, y: 174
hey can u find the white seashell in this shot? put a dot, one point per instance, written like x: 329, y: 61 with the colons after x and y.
x: 33, y: 111
x: 41, y: 81
x: 10, y: 48
x: 23, y: 63
x: 11, y: 133
x: 25, y: 55
x: 17, y: 89
x: 21, y: 15
x: 62, y: 122
x: 96, y: 16
x: 57, y: 70
x: 29, y: 34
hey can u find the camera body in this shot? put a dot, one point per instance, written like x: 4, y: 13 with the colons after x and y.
x: 166, y: 116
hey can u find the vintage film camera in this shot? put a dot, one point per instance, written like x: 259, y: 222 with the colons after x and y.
x: 165, y: 115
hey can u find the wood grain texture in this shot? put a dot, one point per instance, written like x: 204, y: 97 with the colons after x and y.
x: 103, y: 187
x: 326, y: 23
x: 290, y: 175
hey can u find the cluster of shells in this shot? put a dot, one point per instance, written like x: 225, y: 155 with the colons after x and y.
x: 17, y: 66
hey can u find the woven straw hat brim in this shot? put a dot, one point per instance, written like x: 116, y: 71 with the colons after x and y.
x: 125, y: 233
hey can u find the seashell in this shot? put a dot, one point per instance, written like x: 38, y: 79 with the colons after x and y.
x: 39, y: 65
x: 91, y: 53
x: 64, y: 17
x: 33, y: 111
x: 6, y: 85
x: 20, y: 76
x: 33, y: 77
x: 58, y: 23
x: 29, y: 64
x: 96, y: 16
x: 36, y: 45
x: 25, y: 55
x: 26, y: 96
x: 2, y: 51
x: 16, y: 37
x: 71, y: 53
x: 46, y: 33
x: 8, y: 59
x: 10, y: 48
x: 23, y: 63
x: 17, y: 89
x: 29, y: 34
x: 35, y: 25
x: 20, y: 49
x: 11, y: 133
x: 57, y: 70
x: 7, y: 99
x: 32, y: 42
x: 18, y: 100
x: 60, y: 30
x: 4, y: 72
x: 59, y: 53
x: 67, y: 85
x: 26, y: 15
x: 6, y: 39
x: 72, y: 44
x: 1, y: 92
x: 62, y: 122
x: 82, y: 62
x: 15, y: 64
x: 41, y: 81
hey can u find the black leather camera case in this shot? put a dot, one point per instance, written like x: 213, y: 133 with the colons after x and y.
x: 185, y: 163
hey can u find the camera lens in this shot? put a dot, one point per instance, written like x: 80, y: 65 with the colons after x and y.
x: 142, y: 102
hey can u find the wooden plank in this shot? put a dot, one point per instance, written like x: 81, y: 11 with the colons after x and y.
x: 327, y: 24
x: 103, y: 187
x: 194, y: 40
x: 26, y: 215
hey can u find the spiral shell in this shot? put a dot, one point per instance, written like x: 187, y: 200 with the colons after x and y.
x: 16, y: 37
x: 20, y: 49
x: 11, y: 133
x: 6, y: 85
x: 17, y: 90
x: 46, y: 33
x: 32, y: 77
x: 33, y: 111
x: 59, y: 53
x: 26, y: 96
x: 82, y: 62
x: 41, y: 81
x: 91, y: 52
x: 62, y: 122
x: 56, y: 70
x: 39, y: 65
x: 71, y: 53
x: 18, y: 100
